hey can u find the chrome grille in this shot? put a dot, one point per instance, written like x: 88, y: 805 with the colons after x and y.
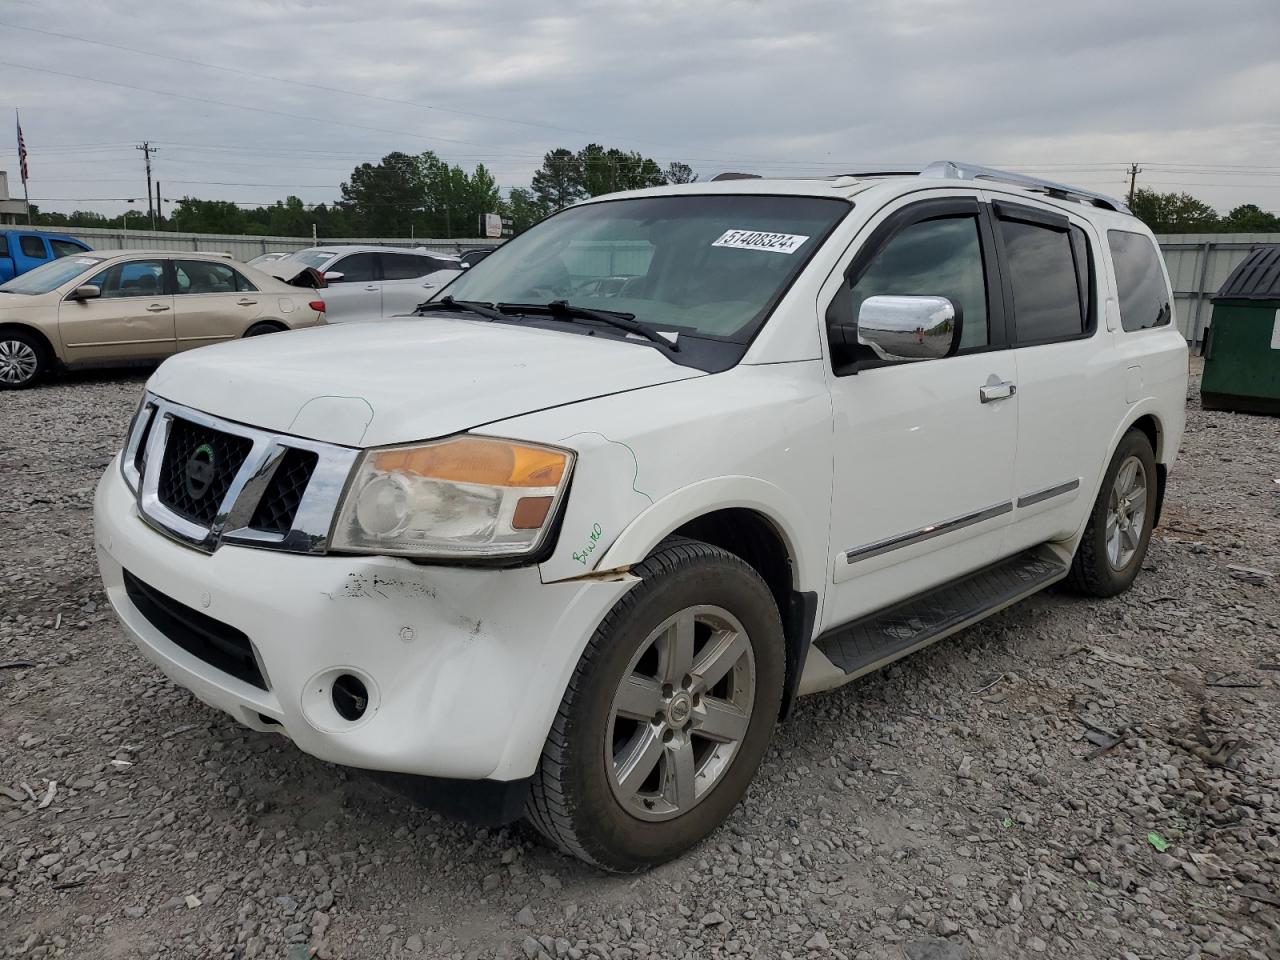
x: 198, y: 467
x: 206, y: 481
x: 279, y: 505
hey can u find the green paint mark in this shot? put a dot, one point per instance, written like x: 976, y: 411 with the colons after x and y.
x: 592, y: 543
x: 1007, y: 822
x: 1157, y: 841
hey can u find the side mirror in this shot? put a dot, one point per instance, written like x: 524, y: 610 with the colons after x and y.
x: 909, y: 328
x: 464, y: 265
x: 87, y: 292
x: 332, y: 276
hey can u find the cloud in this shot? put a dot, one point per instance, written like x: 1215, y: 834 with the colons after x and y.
x: 1073, y: 91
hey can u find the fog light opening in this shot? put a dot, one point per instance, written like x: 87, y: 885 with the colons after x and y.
x: 350, y: 697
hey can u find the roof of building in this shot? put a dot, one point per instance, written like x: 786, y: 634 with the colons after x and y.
x: 1256, y: 278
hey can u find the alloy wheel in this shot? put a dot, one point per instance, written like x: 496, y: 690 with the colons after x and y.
x: 680, y: 713
x: 18, y: 361
x: 1126, y: 513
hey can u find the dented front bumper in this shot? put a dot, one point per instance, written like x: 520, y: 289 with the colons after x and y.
x: 464, y: 668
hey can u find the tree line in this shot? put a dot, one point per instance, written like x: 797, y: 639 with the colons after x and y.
x: 411, y: 195
x: 422, y: 195
x: 1183, y: 213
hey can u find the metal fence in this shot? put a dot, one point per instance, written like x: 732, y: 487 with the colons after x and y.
x: 1199, y: 263
x: 242, y: 246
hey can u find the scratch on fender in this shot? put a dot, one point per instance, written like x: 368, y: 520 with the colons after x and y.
x: 634, y: 459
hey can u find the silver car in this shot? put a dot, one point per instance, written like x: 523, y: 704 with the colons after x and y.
x: 368, y: 282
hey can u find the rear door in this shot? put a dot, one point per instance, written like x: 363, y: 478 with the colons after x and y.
x: 1069, y: 391
x: 357, y: 294
x: 212, y: 301
x: 410, y: 278
x: 132, y: 319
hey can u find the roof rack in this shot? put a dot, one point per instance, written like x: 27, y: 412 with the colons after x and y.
x: 954, y: 170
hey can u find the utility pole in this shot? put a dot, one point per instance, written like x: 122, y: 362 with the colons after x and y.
x: 159, y: 209
x: 1134, y: 170
x: 147, y: 150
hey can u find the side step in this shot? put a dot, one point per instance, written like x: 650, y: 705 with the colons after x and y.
x: 877, y: 639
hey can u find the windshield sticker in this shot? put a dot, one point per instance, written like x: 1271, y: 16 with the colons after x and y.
x: 760, y: 240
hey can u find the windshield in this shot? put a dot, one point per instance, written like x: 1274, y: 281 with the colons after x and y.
x: 709, y: 265
x: 308, y: 258
x: 50, y: 276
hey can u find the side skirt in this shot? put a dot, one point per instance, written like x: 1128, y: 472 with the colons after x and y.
x: 878, y: 639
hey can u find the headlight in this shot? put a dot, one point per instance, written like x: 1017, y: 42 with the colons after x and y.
x: 466, y: 497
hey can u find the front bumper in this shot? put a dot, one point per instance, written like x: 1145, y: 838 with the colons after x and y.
x: 465, y: 668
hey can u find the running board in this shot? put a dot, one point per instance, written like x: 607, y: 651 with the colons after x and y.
x: 882, y: 637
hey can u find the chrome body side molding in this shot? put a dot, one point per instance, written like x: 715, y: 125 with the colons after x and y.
x: 869, y: 550
x: 1048, y: 493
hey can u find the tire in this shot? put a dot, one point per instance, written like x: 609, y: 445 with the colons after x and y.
x: 24, y: 359
x: 1109, y: 557
x: 259, y: 329
x: 581, y: 798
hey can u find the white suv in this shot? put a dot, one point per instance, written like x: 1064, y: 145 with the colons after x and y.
x: 367, y: 282
x: 572, y: 541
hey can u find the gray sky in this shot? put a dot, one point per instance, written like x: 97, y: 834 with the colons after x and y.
x: 1073, y: 91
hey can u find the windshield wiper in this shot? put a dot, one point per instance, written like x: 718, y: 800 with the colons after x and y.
x: 564, y: 310
x: 467, y: 306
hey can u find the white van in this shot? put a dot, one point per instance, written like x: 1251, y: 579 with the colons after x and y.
x: 571, y: 541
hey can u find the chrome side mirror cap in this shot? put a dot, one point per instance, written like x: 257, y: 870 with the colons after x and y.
x: 909, y: 328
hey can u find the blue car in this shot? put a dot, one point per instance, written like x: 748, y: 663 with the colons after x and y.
x: 23, y: 250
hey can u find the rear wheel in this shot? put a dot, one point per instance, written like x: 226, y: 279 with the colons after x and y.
x: 668, y: 713
x: 24, y: 359
x: 258, y: 329
x: 1119, y: 529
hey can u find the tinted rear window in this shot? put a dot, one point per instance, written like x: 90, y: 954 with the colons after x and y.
x: 1047, y: 303
x: 405, y: 266
x: 32, y: 247
x: 1144, y: 297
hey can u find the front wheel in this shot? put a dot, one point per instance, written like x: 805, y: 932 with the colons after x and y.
x: 1119, y: 529
x: 24, y: 359
x: 667, y: 715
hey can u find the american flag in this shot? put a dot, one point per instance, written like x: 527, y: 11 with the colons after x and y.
x: 22, y: 152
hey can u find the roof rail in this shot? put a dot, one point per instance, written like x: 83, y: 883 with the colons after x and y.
x: 955, y: 170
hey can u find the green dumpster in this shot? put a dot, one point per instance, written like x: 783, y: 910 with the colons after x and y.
x: 1242, y: 350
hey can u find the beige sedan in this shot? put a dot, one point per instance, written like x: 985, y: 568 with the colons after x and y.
x: 118, y: 306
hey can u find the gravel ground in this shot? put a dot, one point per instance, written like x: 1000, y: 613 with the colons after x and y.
x: 1072, y: 778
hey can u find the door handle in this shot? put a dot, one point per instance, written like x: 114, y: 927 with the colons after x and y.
x: 156, y: 308
x: 245, y: 302
x: 371, y: 289
x: 997, y: 391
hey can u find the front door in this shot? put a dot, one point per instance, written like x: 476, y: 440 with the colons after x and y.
x: 408, y: 279
x: 212, y: 301
x: 924, y: 450
x: 132, y: 319
x: 357, y: 294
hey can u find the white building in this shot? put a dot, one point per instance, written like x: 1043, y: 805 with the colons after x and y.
x: 11, y: 211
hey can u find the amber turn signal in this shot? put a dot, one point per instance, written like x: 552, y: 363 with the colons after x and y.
x: 480, y: 460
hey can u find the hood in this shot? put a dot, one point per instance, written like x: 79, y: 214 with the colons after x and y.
x: 396, y: 381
